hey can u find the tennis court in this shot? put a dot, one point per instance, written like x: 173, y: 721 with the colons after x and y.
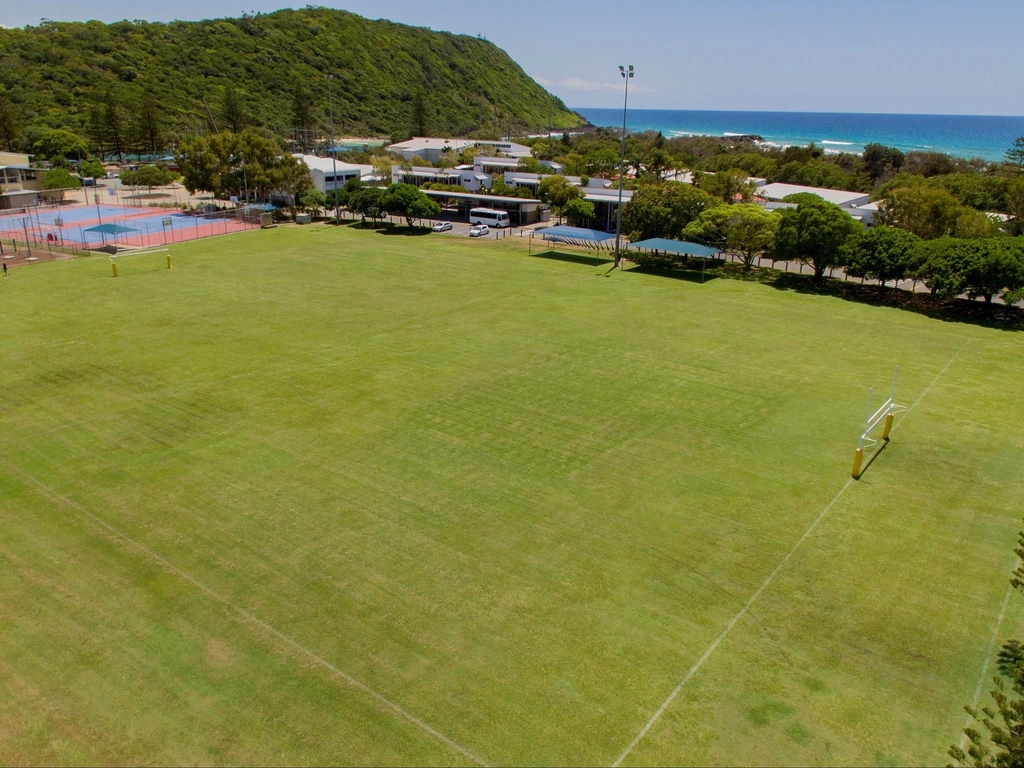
x: 70, y: 227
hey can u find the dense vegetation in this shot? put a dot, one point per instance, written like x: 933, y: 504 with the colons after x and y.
x: 721, y: 167
x: 146, y: 84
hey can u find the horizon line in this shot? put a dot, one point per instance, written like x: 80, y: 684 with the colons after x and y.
x: 806, y: 112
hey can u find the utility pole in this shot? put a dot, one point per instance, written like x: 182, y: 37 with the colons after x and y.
x: 334, y: 153
x: 627, y: 75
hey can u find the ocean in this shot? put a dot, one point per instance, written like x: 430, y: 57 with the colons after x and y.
x: 987, y: 137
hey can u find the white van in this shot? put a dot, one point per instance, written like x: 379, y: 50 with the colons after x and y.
x: 489, y: 216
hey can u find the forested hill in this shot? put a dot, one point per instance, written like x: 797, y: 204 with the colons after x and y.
x: 389, y: 79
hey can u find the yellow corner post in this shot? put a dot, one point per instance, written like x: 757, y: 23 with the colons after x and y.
x: 887, y: 426
x: 168, y: 261
x: 114, y: 265
x: 858, y: 459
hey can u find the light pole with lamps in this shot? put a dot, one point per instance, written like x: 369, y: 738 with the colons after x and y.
x: 627, y: 75
x: 334, y: 151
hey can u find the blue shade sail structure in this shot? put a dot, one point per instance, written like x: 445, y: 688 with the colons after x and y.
x: 587, y: 238
x: 680, y: 247
x: 111, y: 229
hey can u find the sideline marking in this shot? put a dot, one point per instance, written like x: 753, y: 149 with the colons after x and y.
x: 764, y: 585
x: 988, y: 661
x: 250, y: 617
x: 929, y: 387
x: 728, y: 627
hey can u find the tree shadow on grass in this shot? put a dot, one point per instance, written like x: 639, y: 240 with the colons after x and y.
x: 949, y: 310
x: 690, y: 275
x: 388, y: 228
x: 573, y: 258
x: 405, y: 231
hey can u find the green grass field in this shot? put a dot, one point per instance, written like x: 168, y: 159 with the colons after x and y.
x: 323, y: 495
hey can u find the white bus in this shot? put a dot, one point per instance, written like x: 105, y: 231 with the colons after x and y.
x: 488, y: 216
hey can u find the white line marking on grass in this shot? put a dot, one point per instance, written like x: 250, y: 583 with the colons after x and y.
x: 988, y: 661
x: 251, y: 618
x: 764, y: 585
x: 728, y: 628
x: 929, y: 387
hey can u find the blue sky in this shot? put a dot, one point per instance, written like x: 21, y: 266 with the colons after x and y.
x: 924, y: 56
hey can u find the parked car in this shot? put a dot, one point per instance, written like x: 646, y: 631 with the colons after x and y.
x: 479, y: 230
x: 443, y: 226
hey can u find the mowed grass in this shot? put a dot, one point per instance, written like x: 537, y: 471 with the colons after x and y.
x: 517, y: 498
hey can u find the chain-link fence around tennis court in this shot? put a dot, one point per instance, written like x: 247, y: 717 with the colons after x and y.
x: 39, y: 234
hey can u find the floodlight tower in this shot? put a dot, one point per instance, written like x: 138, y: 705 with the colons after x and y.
x: 627, y: 75
x: 334, y: 151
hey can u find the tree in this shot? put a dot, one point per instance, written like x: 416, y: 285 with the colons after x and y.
x: 996, y: 269
x: 884, y: 254
x: 557, y: 192
x: 233, y: 110
x: 97, y: 131
x: 881, y: 161
x: 148, y: 125
x: 91, y: 168
x: 1014, y: 205
x: 382, y: 167
x: 420, y: 113
x: 664, y: 210
x: 148, y: 176
x: 60, y: 178
x: 228, y: 163
x: 367, y: 202
x: 942, y: 265
x: 578, y: 210
x: 1015, y: 155
x: 60, y: 142
x: 446, y: 160
x: 727, y: 185
x: 928, y: 213
x: 816, y: 233
x: 972, y: 224
x: 204, y: 163
x: 408, y: 201
x: 656, y: 163
x: 9, y: 128
x: 313, y: 200
x: 290, y: 176
x: 344, y: 194
x: 1004, y: 745
x: 112, y: 123
x: 302, y: 115
x: 746, y: 229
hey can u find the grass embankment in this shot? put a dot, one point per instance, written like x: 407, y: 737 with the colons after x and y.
x: 517, y: 497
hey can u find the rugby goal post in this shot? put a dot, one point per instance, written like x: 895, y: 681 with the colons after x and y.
x: 115, y: 256
x: 883, y: 415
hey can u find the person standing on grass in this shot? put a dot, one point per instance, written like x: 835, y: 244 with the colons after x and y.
x: 5, y: 267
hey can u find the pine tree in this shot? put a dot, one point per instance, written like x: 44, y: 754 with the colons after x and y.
x: 148, y: 126
x: 302, y: 114
x: 113, y: 124
x: 9, y: 129
x: 97, y: 130
x: 1003, y: 745
x: 419, y: 113
x: 1015, y: 154
x: 233, y: 110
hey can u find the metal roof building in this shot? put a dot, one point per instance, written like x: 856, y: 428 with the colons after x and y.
x: 779, y: 191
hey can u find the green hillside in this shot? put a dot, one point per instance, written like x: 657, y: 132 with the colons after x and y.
x: 56, y: 75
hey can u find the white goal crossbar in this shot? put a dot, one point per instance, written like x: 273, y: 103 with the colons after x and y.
x: 115, y: 256
x: 884, y: 413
